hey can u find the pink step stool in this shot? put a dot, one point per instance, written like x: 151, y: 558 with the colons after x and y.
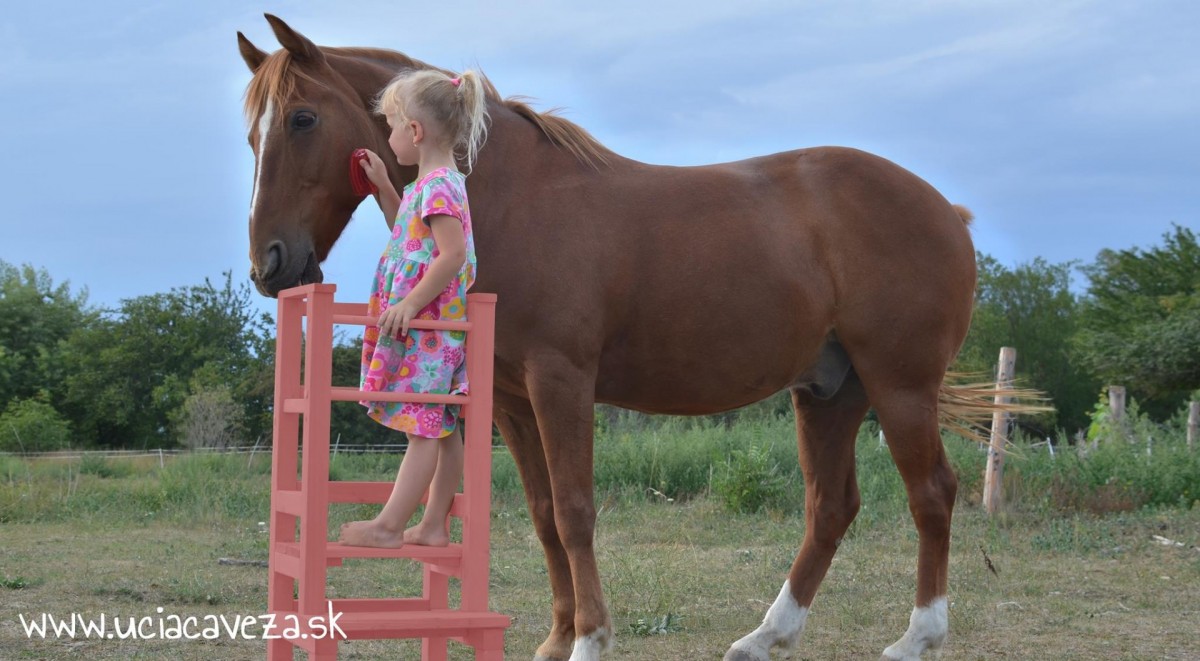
x: 304, y: 561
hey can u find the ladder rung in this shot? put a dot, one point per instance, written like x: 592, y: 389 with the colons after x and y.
x: 401, y: 604
x: 378, y: 493
x: 289, y: 501
x: 446, y: 556
x: 288, y: 565
x: 347, y: 394
x: 287, y: 562
x: 417, y: 324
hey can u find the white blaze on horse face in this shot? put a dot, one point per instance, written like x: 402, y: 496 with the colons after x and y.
x: 927, y: 628
x: 781, y: 627
x: 264, y: 127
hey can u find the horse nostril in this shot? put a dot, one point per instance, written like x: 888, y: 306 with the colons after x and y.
x: 276, y: 252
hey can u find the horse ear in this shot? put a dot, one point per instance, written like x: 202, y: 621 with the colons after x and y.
x: 297, y: 44
x: 250, y: 53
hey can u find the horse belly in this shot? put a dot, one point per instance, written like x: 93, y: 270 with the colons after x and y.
x: 713, y: 344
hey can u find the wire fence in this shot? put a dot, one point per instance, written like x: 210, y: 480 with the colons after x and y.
x: 342, y: 448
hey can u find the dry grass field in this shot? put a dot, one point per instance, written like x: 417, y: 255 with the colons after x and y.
x: 1064, y: 587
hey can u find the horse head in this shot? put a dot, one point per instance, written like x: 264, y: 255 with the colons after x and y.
x: 307, y: 112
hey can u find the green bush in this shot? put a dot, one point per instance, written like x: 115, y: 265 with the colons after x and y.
x: 750, y: 481
x: 32, y: 425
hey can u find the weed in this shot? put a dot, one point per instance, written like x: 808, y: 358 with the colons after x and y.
x: 16, y: 583
x: 655, y: 626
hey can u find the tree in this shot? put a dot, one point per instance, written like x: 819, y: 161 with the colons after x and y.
x: 36, y: 317
x: 1140, y: 325
x: 138, y: 365
x: 1030, y: 307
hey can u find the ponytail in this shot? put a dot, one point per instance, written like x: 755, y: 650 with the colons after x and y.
x: 475, y: 115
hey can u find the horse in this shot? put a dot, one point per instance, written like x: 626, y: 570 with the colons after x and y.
x: 829, y: 272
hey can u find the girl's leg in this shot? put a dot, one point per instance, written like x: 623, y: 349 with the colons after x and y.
x: 432, y: 529
x: 413, y: 478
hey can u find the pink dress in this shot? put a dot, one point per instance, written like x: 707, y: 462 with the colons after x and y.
x: 423, y: 361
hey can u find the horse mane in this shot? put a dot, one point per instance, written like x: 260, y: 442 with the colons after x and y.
x: 275, y: 81
x: 561, y: 131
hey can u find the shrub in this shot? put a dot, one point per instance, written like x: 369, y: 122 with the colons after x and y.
x: 32, y: 425
x: 210, y: 419
x: 750, y: 481
x: 101, y: 467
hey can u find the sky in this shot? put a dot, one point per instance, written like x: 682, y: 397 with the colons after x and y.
x: 1067, y: 127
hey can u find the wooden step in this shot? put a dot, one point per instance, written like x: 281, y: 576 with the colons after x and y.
x: 408, y: 624
x: 447, y: 556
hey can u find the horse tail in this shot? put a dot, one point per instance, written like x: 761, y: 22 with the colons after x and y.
x: 967, y: 409
x: 964, y: 213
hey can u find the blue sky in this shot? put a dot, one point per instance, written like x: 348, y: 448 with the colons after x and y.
x: 1067, y: 127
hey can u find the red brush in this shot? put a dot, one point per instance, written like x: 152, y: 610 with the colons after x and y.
x: 358, y: 176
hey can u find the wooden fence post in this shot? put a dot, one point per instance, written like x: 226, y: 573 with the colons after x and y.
x: 1116, y: 402
x: 993, y: 489
x: 1116, y: 407
x: 1193, y: 423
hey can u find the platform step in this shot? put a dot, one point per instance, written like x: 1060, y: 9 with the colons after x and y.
x: 399, y: 624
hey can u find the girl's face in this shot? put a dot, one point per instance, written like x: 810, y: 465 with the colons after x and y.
x: 403, y: 139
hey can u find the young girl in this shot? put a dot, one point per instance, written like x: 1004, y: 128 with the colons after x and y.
x: 424, y: 273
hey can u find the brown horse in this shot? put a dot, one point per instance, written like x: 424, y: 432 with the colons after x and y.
x: 687, y: 290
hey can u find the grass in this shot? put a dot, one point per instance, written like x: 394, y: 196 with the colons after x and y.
x: 683, y: 577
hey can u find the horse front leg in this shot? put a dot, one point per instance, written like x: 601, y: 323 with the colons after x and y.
x: 563, y: 398
x: 515, y: 419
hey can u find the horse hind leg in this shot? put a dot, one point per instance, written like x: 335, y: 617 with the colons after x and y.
x: 910, y: 425
x: 826, y: 431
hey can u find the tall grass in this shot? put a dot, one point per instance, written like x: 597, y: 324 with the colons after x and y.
x: 747, y: 463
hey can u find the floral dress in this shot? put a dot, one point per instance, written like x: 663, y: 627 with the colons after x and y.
x: 422, y: 361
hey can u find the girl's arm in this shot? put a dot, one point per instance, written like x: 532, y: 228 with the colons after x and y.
x: 389, y: 202
x: 452, y: 253
x: 387, y: 198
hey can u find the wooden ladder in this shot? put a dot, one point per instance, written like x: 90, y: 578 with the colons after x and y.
x: 297, y: 567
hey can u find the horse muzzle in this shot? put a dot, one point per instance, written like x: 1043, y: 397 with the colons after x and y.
x: 285, y: 268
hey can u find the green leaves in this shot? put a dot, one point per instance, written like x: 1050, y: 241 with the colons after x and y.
x: 1137, y: 325
x: 1140, y: 322
x: 122, y: 376
x: 1030, y: 307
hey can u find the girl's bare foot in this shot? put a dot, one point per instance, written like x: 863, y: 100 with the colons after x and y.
x: 425, y: 534
x: 371, y: 533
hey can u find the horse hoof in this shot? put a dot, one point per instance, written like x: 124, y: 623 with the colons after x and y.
x: 742, y: 655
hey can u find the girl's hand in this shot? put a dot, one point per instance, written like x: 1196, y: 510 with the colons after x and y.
x: 397, y: 318
x: 375, y: 169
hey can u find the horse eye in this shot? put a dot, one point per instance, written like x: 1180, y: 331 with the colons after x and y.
x: 303, y: 121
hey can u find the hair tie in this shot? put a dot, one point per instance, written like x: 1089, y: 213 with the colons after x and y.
x: 456, y: 81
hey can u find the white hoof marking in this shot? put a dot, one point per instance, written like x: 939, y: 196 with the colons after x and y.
x: 927, y: 629
x: 781, y: 627
x: 589, y: 647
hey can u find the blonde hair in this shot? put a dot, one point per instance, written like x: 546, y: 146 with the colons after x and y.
x: 459, y: 110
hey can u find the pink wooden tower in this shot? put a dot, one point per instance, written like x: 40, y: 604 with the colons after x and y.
x: 298, y: 566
